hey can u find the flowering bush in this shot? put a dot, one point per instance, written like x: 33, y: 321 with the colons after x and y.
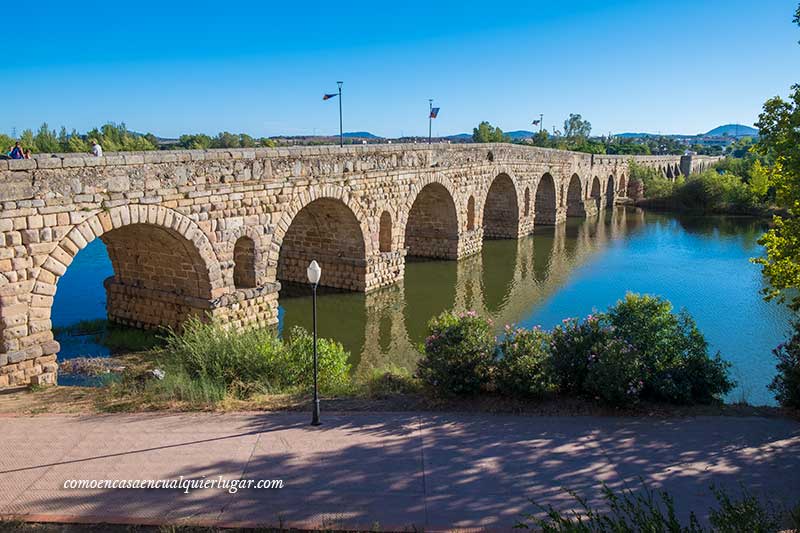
x: 523, y: 364
x: 458, y: 353
x: 573, y: 341
x: 786, y: 384
x: 614, y: 373
x: 672, y: 351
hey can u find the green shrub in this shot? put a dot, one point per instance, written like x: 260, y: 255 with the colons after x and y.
x: 614, y: 374
x: 458, y: 353
x: 523, y: 364
x: 391, y: 381
x: 253, y: 360
x: 227, y: 356
x: 786, y: 384
x: 297, y: 362
x: 712, y: 190
x: 672, y: 351
x: 651, y: 511
x: 573, y: 345
x: 655, y: 184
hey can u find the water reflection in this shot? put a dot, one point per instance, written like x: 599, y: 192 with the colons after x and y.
x: 505, y: 282
x: 700, y: 263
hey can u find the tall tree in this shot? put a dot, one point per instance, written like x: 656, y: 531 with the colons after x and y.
x: 486, y: 133
x: 779, y: 142
x: 575, y: 126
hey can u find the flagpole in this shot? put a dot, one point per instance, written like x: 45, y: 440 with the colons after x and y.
x: 341, y: 132
x: 430, y: 118
x: 541, y: 122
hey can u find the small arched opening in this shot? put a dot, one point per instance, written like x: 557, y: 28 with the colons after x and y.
x: 244, y: 263
x: 385, y: 233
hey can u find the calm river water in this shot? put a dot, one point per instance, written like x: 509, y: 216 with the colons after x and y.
x: 700, y: 263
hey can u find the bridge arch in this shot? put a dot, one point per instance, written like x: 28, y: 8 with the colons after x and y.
x: 501, y: 209
x: 165, y: 268
x: 595, y: 192
x: 623, y: 186
x: 431, y: 221
x: 610, y: 194
x: 545, y: 202
x: 327, y: 226
x: 575, y: 207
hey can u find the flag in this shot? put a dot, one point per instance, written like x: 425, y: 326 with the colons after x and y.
x: 536, y: 122
x: 329, y: 96
x: 434, y: 112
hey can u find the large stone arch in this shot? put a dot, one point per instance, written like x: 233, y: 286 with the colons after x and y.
x: 165, y: 268
x: 326, y: 228
x: 610, y: 191
x: 545, y: 202
x: 575, y: 206
x: 501, y: 209
x: 432, y: 222
x: 623, y: 186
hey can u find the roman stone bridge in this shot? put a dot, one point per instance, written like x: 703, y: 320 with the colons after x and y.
x: 215, y: 233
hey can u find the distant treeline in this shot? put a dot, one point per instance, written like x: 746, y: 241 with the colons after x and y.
x: 576, y: 136
x: 117, y: 138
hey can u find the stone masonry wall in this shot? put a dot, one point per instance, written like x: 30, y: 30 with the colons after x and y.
x: 171, y: 221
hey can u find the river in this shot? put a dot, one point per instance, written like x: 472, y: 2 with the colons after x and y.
x: 699, y: 263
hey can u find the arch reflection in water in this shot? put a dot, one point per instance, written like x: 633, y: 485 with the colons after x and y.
x: 505, y: 282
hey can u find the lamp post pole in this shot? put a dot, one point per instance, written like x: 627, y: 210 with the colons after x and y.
x: 314, y: 272
x: 541, y: 122
x: 341, y: 133
x: 315, y: 415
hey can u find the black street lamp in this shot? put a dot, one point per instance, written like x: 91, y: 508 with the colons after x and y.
x: 314, y: 272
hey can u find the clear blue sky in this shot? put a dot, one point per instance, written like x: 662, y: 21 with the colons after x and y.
x: 261, y: 67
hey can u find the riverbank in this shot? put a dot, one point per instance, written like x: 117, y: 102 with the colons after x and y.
x: 97, y: 400
x: 674, y: 206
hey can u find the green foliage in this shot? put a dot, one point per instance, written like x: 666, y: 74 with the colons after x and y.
x: 522, y: 368
x: 656, y: 185
x: 486, y: 133
x: 779, y: 128
x: 117, y: 138
x: 712, y: 190
x: 112, y: 137
x: 297, y: 362
x: 253, y: 360
x: 627, y: 147
x: 202, y: 141
x: 458, y: 353
x: 573, y: 346
x: 391, y: 382
x: 576, y: 127
x: 652, y: 511
x: 673, y: 353
x: 614, y: 373
x: 786, y: 384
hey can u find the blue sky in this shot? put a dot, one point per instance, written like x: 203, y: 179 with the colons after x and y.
x: 261, y: 67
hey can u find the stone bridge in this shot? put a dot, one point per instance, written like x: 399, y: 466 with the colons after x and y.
x: 215, y: 233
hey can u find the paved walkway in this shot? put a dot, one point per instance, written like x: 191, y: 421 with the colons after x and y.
x: 378, y: 470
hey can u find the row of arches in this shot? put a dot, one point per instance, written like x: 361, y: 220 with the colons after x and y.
x: 162, y: 257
